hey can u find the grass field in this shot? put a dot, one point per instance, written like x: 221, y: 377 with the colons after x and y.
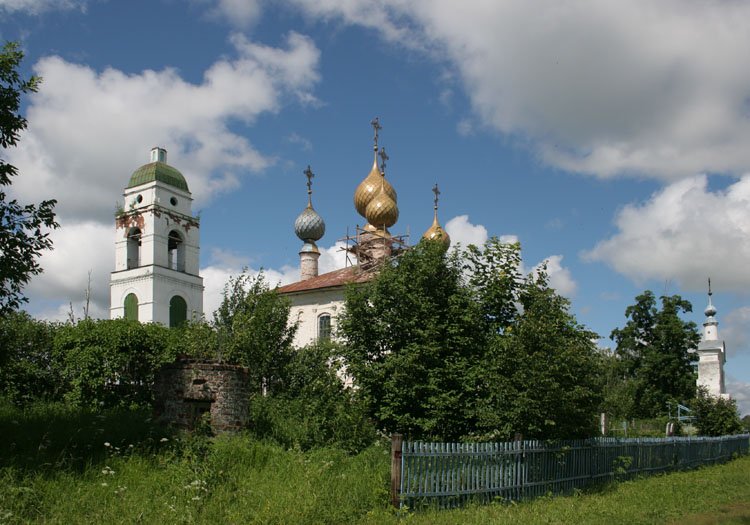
x: 59, y: 465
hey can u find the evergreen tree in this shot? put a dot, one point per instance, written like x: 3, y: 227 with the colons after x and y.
x: 653, y: 352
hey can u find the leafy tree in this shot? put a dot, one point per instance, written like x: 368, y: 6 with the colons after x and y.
x: 109, y: 363
x: 714, y: 415
x: 23, y: 228
x: 412, y: 337
x: 27, y: 370
x: 311, y: 407
x: 253, y: 329
x: 447, y: 345
x: 653, y: 351
x: 542, y: 378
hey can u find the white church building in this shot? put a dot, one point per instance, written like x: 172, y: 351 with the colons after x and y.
x: 157, y: 248
x: 318, y: 299
x: 711, y: 353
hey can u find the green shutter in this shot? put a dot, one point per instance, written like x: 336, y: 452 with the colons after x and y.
x: 131, y: 307
x: 177, y: 311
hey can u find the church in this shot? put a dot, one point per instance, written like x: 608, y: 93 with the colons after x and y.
x: 317, y: 299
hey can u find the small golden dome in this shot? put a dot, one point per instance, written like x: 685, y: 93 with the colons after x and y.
x: 382, y: 211
x: 437, y: 233
x: 369, y: 188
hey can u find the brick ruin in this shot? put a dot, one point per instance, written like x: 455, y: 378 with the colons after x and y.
x: 187, y: 389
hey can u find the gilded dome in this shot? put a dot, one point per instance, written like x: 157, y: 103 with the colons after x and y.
x: 309, y: 226
x: 437, y: 233
x: 369, y: 188
x: 382, y: 211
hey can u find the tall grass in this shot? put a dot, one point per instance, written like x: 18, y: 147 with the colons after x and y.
x: 59, y: 465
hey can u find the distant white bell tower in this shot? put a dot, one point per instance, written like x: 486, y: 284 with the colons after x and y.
x: 711, y: 353
x: 157, y: 243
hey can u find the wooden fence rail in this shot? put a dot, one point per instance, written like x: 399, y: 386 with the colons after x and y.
x: 449, y: 474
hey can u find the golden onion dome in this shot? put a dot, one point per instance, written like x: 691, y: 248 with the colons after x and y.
x: 382, y: 211
x: 369, y: 188
x: 437, y: 233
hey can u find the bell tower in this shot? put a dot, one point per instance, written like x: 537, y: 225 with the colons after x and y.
x: 711, y: 353
x: 157, y: 248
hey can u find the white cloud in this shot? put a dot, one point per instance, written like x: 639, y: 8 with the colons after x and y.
x: 560, y: 277
x: 239, y: 13
x: 684, y: 232
x: 463, y: 232
x: 36, y: 7
x: 605, y: 88
x: 78, y: 248
x: 735, y: 330
x: 333, y: 258
x: 89, y: 130
x: 740, y: 392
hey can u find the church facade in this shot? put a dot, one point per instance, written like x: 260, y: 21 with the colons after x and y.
x: 157, y: 247
x: 318, y: 299
x: 711, y: 354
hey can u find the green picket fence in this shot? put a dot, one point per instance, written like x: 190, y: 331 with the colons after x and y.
x: 450, y: 474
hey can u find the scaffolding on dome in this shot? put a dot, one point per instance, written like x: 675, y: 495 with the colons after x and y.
x: 370, y: 247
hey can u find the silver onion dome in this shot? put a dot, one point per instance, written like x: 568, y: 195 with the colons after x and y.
x: 309, y: 226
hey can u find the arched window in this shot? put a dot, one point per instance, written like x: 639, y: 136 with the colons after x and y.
x: 131, y: 307
x: 176, y: 248
x: 324, y: 327
x: 177, y: 311
x: 134, y: 248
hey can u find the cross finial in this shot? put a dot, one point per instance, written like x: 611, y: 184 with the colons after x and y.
x: 309, y: 174
x: 375, y: 123
x: 383, y: 158
x: 709, y: 287
x: 436, y: 191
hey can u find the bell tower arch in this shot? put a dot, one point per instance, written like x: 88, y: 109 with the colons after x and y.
x: 157, y: 248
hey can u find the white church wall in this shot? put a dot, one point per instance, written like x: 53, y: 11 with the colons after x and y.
x: 306, y: 309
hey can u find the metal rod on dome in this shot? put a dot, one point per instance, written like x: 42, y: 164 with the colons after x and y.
x: 383, y: 158
x: 375, y: 123
x: 309, y: 174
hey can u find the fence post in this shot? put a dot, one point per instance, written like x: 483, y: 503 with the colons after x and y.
x: 397, y: 441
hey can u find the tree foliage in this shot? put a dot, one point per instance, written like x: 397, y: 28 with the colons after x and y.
x: 454, y: 344
x: 714, y: 415
x: 253, y: 330
x: 653, y: 353
x: 24, y: 229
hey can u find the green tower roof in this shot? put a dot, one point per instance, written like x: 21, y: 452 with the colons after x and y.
x: 160, y: 171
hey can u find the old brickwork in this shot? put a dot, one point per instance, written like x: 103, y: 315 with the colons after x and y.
x: 187, y: 389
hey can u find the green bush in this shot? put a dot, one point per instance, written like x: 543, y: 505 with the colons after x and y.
x: 715, y: 416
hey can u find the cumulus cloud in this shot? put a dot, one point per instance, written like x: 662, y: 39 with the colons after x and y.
x: 239, y: 13
x: 560, y: 277
x: 740, y: 392
x: 88, y: 129
x: 78, y: 248
x: 659, y: 89
x: 36, y: 7
x: 463, y: 232
x: 684, y: 232
x: 735, y: 330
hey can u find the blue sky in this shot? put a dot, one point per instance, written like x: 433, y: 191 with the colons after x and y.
x: 611, y: 140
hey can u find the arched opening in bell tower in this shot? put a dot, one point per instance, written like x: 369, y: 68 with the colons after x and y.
x: 131, y: 307
x: 177, y: 311
x: 134, y: 248
x: 176, y: 251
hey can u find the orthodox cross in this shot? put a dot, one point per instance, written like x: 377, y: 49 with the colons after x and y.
x: 383, y: 157
x: 709, y: 287
x: 375, y: 123
x: 309, y: 174
x: 436, y: 191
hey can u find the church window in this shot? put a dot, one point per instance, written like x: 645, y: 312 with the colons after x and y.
x: 176, y: 248
x: 134, y: 248
x: 324, y: 327
x: 177, y: 311
x: 139, y: 199
x: 131, y: 307
x: 173, y: 201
